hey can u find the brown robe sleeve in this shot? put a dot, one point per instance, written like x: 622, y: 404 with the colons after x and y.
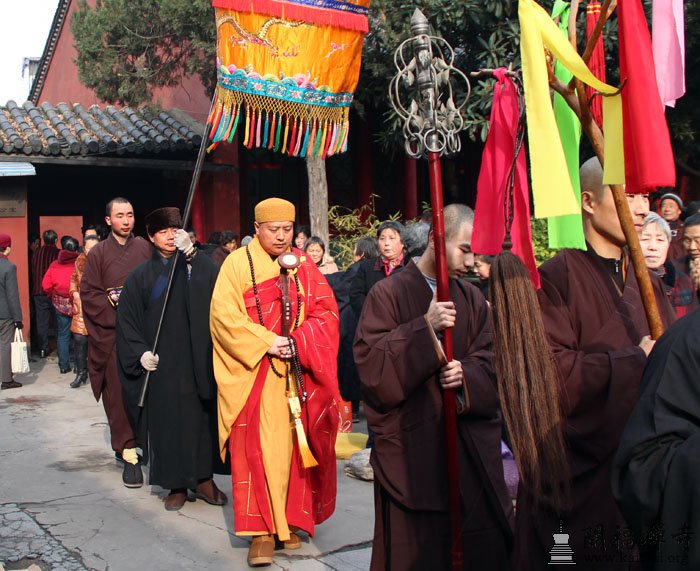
x: 97, y: 309
x: 393, y: 359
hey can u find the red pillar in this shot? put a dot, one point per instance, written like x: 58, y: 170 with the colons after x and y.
x: 17, y: 227
x: 410, y: 189
x: 196, y: 217
x: 364, y: 163
x: 221, y: 199
x: 683, y: 187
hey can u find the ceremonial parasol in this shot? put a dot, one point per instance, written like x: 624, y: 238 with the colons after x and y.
x: 286, y: 73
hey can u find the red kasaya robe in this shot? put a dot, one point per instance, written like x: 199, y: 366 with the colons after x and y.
x: 271, y: 489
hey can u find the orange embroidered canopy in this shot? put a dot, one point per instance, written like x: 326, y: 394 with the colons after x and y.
x: 286, y: 72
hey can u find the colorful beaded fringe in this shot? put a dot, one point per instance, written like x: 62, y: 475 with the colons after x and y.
x: 281, y: 126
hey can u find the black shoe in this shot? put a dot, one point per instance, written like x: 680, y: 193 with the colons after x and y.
x: 64, y: 371
x: 132, y: 476
x: 80, y: 379
x: 43, y: 354
x: 10, y: 385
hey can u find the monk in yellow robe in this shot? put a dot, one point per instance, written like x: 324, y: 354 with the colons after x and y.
x: 273, y: 493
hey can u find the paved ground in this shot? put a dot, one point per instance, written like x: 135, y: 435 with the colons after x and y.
x: 63, y: 506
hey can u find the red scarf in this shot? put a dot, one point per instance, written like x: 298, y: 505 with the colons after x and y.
x: 391, y: 265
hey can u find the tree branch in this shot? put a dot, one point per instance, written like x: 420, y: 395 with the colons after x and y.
x: 573, y: 15
x: 147, y: 38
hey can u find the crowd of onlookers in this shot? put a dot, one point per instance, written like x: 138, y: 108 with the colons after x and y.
x: 670, y: 241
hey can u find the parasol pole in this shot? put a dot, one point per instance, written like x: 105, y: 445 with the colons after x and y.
x: 421, y: 94
x: 185, y: 219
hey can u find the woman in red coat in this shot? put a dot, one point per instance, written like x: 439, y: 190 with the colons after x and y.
x: 56, y: 284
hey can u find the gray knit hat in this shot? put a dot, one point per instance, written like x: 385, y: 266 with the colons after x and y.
x: 672, y: 196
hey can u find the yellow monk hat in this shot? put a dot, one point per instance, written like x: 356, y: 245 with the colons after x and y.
x: 275, y: 210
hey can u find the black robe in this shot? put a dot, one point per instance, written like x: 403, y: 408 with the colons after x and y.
x: 348, y: 379
x: 594, y: 334
x: 656, y: 471
x: 398, y: 361
x: 179, y: 418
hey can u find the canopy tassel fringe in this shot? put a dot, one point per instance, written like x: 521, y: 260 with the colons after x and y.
x: 279, y: 125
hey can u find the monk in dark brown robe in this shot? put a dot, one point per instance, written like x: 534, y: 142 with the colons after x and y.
x: 105, y: 273
x: 403, y: 374
x: 594, y: 318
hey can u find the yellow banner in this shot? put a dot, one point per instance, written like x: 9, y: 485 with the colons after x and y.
x: 551, y: 186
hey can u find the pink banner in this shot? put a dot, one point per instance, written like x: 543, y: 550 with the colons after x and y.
x: 668, y: 45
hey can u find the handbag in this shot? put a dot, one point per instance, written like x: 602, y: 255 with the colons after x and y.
x: 20, y: 356
x: 63, y: 305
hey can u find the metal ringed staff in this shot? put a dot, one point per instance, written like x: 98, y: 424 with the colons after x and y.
x: 431, y: 126
x: 201, y: 155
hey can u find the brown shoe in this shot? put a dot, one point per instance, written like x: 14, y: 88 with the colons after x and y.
x: 261, y: 551
x: 294, y: 541
x: 176, y: 499
x: 208, y: 492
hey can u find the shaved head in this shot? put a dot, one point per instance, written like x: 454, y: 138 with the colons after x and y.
x: 456, y: 215
x: 591, y: 174
x: 459, y: 222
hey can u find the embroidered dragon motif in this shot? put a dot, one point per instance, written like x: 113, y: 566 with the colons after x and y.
x: 260, y: 37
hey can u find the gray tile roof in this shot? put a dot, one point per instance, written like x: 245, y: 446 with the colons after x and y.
x: 72, y: 130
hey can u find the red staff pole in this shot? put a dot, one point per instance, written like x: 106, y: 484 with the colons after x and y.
x: 448, y: 397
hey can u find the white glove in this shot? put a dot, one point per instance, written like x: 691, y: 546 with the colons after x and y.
x: 149, y: 361
x: 183, y: 242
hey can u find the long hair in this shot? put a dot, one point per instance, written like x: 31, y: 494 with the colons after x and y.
x: 528, y: 385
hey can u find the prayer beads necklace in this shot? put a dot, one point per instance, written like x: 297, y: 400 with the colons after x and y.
x: 295, y: 358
